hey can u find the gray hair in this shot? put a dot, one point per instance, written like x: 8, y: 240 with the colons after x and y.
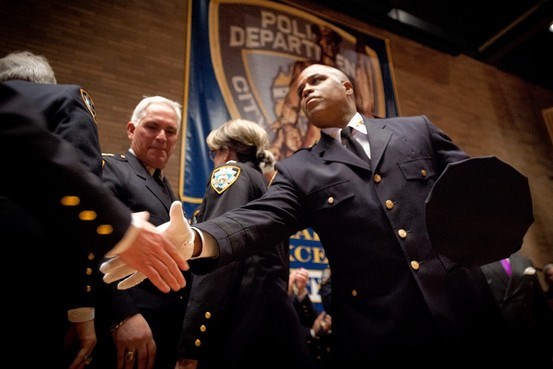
x: 248, y: 139
x: 26, y: 66
x: 139, y: 111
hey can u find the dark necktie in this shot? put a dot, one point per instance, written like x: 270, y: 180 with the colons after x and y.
x: 352, y: 144
x: 158, y: 177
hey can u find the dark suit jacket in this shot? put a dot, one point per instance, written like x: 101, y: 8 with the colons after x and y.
x: 523, y: 305
x: 70, y: 114
x: 239, y: 315
x: 393, y: 295
x: 43, y: 191
x: 130, y: 181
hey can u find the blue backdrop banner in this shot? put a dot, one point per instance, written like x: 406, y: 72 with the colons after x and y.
x: 242, y: 62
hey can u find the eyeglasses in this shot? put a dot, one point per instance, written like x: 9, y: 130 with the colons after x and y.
x: 213, y: 152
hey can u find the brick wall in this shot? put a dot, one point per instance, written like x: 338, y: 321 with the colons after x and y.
x: 122, y: 50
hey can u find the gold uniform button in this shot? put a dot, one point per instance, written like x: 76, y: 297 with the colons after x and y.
x: 88, y: 271
x: 354, y: 293
x: 70, y: 200
x: 377, y: 178
x: 331, y: 200
x: 87, y: 215
x: 104, y: 229
x: 423, y: 173
x: 91, y: 256
x: 197, y: 343
x: 88, y: 288
x: 402, y: 233
x: 415, y: 265
x: 207, y: 315
x: 203, y: 328
x: 389, y: 204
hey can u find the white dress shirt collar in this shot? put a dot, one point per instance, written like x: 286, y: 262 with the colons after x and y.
x: 356, y: 122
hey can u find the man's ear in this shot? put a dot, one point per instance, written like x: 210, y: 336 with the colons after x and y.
x: 348, y: 86
x: 130, y: 130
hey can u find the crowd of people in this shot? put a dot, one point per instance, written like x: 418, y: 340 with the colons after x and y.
x: 219, y: 292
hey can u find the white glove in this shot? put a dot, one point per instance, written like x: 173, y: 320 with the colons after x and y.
x: 177, y: 230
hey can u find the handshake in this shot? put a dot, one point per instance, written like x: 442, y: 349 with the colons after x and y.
x: 177, y: 231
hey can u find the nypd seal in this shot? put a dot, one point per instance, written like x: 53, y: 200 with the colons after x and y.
x: 87, y: 100
x: 223, y: 177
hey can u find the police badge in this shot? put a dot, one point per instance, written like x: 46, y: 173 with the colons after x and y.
x: 87, y: 100
x: 223, y: 177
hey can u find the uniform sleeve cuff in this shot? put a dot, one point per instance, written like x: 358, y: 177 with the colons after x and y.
x: 209, y: 245
x: 82, y: 314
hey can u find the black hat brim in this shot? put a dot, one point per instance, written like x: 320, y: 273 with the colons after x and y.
x: 479, y: 210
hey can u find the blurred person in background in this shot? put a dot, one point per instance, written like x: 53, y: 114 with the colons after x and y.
x: 517, y: 290
x: 239, y: 314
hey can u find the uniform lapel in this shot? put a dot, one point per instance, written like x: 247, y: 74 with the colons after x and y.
x: 378, y: 139
x: 517, y: 267
x: 151, y: 184
x: 332, y: 150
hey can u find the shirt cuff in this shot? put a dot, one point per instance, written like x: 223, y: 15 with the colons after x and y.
x: 82, y: 314
x: 210, y: 249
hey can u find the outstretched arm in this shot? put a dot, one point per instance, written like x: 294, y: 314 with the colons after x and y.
x: 177, y: 231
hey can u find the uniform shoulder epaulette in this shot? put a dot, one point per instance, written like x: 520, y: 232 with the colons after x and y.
x: 223, y: 177
x: 307, y: 148
x: 115, y: 156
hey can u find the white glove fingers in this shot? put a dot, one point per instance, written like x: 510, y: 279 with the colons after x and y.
x: 131, y: 281
x: 178, y: 231
x: 178, y: 221
x: 117, y: 274
x: 111, y: 264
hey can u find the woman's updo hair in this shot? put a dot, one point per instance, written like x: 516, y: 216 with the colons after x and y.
x: 246, y: 138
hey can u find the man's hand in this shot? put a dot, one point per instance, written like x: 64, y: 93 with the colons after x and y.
x: 322, y: 324
x: 298, y: 283
x: 177, y: 230
x: 135, y: 343
x: 186, y: 364
x: 82, y: 338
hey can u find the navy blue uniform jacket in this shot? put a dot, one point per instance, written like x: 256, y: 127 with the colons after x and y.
x: 393, y: 295
x: 44, y: 192
x: 70, y: 114
x: 131, y: 183
x: 240, y: 315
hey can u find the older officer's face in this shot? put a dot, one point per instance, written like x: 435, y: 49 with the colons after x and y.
x: 155, y: 136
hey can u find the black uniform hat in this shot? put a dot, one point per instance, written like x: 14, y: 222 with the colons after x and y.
x: 479, y: 211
